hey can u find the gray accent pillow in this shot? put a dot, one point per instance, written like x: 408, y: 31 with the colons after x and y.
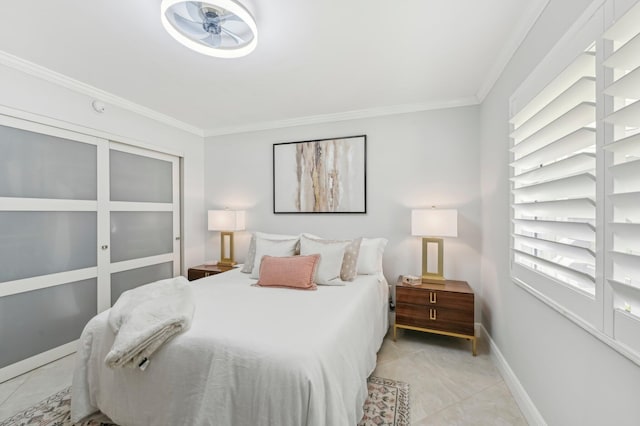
x: 349, y: 270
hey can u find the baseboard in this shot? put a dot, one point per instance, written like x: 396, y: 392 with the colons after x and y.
x: 21, y: 367
x: 529, y: 410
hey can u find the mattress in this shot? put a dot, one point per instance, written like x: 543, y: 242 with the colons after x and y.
x: 253, y: 356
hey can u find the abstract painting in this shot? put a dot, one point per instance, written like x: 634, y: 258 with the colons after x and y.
x: 320, y: 176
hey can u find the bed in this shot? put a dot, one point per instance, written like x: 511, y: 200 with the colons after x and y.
x: 253, y: 356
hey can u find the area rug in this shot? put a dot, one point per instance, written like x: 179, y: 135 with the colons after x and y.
x: 387, y: 405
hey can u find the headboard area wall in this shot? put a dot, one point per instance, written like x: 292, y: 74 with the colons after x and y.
x: 414, y: 160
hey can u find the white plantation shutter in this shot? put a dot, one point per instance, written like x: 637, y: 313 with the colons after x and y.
x: 553, y: 178
x: 622, y: 145
x: 575, y: 176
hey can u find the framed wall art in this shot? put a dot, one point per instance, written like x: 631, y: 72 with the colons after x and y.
x: 320, y: 176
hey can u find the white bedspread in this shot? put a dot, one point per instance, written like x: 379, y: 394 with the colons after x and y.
x: 253, y: 356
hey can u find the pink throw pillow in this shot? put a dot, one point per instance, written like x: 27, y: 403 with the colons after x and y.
x: 289, y: 271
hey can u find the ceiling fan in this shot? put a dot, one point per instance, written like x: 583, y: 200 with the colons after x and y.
x: 221, y: 28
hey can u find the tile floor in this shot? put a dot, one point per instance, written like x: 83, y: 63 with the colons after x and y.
x: 448, y: 386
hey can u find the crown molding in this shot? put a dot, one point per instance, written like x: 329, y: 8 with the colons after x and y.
x: 43, y: 73
x: 511, y: 45
x: 341, y: 116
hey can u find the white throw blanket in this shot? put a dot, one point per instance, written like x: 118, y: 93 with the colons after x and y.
x: 146, y: 317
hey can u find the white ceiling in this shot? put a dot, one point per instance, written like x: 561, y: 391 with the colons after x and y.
x: 314, y: 59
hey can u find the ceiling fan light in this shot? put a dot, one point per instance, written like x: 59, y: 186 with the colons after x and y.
x: 214, y: 41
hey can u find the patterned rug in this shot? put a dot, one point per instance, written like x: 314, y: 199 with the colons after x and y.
x: 387, y: 404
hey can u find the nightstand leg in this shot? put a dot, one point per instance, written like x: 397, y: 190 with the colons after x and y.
x: 473, y: 346
x: 395, y: 330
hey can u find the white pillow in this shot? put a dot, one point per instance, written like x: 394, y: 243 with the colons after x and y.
x: 331, y: 256
x: 349, y: 270
x: 251, y: 253
x: 370, y: 256
x: 276, y: 248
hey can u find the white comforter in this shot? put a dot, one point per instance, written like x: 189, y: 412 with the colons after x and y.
x: 253, y: 356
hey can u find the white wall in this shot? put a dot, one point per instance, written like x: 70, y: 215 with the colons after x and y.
x: 572, y: 378
x: 413, y: 160
x: 23, y: 92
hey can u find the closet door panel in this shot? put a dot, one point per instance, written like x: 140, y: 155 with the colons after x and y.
x: 36, y: 321
x: 49, y: 225
x: 140, y: 234
x: 35, y: 165
x: 132, y: 278
x: 144, y: 217
x: 34, y: 243
x: 140, y: 179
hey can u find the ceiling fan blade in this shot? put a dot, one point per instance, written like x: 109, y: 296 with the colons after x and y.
x: 230, y: 17
x: 193, y: 29
x: 195, y: 10
x: 234, y: 36
x: 183, y: 19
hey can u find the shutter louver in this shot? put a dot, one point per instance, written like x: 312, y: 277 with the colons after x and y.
x: 623, y: 188
x: 553, y: 179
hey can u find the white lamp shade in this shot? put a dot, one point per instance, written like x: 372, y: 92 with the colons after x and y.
x: 226, y: 220
x: 434, y: 223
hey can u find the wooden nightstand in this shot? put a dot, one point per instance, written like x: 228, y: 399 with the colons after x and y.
x: 446, y: 308
x: 202, y: 271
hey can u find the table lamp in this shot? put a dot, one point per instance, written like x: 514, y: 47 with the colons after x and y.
x: 226, y: 221
x: 432, y: 224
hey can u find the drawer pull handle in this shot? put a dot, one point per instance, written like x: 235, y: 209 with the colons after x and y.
x: 206, y: 274
x: 432, y: 314
x: 433, y: 297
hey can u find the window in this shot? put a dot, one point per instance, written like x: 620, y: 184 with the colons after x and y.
x: 575, y: 178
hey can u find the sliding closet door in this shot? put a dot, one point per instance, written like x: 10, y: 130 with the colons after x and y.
x: 48, y: 237
x: 82, y: 219
x: 145, y: 217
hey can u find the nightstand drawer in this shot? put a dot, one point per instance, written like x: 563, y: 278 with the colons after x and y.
x: 202, y: 271
x: 435, y: 318
x: 444, y: 299
x: 196, y: 274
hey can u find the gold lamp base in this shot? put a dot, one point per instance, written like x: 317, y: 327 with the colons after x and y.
x: 432, y: 277
x: 226, y: 238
